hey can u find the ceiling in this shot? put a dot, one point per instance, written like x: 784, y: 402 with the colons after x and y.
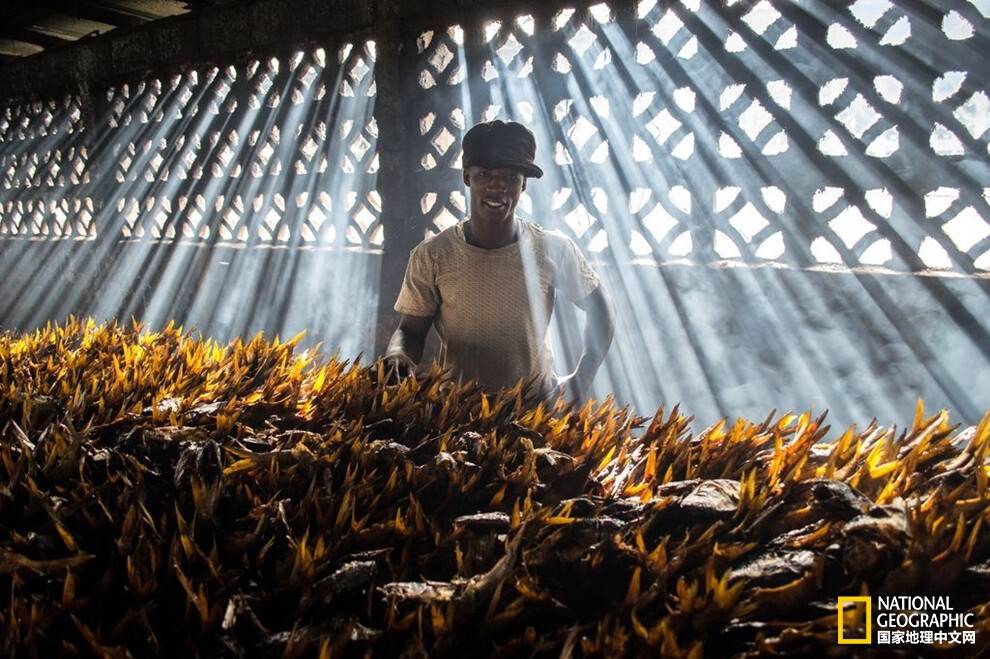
x: 52, y: 47
x: 33, y: 26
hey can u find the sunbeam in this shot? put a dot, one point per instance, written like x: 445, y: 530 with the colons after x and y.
x: 768, y: 238
x: 227, y: 201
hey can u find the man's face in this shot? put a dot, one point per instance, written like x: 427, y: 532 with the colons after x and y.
x: 494, y: 192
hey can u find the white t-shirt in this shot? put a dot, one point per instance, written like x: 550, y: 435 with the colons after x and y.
x: 492, y: 307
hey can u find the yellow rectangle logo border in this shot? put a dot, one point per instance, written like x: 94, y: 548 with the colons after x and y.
x: 851, y: 599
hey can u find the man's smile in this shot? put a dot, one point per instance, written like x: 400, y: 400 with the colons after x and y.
x: 494, y: 204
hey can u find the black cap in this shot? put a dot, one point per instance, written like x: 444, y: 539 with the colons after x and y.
x: 501, y: 144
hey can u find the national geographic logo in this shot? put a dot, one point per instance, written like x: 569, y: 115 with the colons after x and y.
x: 902, y: 620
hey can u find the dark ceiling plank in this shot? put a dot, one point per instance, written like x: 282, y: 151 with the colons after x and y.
x: 100, y: 13
x: 12, y: 49
x: 35, y: 37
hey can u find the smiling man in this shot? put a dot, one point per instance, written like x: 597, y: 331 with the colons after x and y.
x: 488, y: 284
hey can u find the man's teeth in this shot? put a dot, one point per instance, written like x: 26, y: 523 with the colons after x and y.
x: 494, y: 204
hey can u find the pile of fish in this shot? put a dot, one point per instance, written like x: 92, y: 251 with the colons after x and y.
x: 165, y: 495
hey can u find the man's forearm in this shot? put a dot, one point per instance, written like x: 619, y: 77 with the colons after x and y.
x: 596, y: 344
x: 405, y: 343
x: 599, y: 330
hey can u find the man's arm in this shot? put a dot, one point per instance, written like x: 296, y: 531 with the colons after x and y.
x: 406, y: 346
x: 599, y: 328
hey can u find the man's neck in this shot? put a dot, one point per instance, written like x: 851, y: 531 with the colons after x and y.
x: 488, y: 236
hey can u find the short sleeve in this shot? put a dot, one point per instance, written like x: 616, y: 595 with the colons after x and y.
x: 419, y: 295
x: 574, y: 276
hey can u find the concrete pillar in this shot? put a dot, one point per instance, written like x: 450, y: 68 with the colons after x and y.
x: 396, y: 128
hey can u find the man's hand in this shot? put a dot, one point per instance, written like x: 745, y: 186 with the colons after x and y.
x: 405, y: 348
x: 398, y: 366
